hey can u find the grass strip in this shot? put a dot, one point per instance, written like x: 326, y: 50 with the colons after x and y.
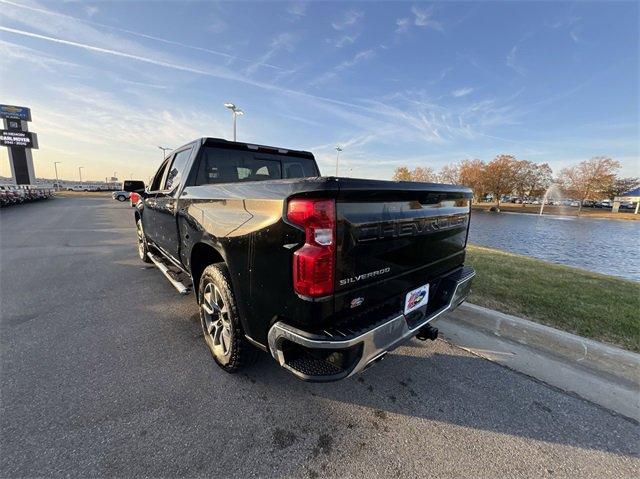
x: 593, y: 305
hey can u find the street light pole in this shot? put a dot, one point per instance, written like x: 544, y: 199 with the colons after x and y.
x: 55, y: 166
x: 164, y: 151
x: 338, y: 150
x: 80, y: 173
x: 236, y: 112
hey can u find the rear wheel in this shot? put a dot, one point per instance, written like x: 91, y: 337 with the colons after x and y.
x: 221, y: 326
x: 121, y: 198
x: 143, y: 249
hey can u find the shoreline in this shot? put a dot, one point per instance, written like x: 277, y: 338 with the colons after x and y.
x: 565, y: 211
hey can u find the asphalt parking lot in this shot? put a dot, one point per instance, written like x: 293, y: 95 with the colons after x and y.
x: 105, y: 373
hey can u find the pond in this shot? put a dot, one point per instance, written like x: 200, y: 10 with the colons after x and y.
x: 604, y: 246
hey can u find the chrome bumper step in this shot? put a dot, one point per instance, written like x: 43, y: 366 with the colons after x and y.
x: 297, y: 350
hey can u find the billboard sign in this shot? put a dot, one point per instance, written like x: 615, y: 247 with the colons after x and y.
x: 23, y: 139
x: 15, y: 112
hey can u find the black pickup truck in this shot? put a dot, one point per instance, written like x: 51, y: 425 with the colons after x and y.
x: 327, y: 274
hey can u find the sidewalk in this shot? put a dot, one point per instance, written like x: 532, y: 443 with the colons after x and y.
x: 603, y: 374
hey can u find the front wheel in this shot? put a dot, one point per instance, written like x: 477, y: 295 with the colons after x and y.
x: 143, y: 249
x: 220, y: 322
x: 121, y: 198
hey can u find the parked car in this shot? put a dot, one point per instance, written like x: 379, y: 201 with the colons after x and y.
x: 327, y: 274
x: 16, y: 194
x: 120, y: 195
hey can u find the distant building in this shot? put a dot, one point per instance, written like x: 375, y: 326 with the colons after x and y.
x: 628, y: 198
x: 71, y: 184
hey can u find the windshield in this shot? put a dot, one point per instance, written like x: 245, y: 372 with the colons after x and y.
x: 220, y: 165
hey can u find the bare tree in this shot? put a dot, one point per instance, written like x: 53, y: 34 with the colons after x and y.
x: 590, y: 179
x: 471, y: 174
x: 500, y: 176
x: 402, y: 173
x: 450, y: 174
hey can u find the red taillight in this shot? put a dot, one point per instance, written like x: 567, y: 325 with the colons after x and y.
x: 314, y: 263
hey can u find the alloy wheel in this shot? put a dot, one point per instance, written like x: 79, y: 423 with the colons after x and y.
x: 216, y: 322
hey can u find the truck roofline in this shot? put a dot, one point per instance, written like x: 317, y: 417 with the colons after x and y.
x: 239, y: 145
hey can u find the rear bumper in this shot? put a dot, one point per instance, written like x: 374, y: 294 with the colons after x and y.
x: 322, y: 358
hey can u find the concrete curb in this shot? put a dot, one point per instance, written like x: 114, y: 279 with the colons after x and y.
x: 609, y: 362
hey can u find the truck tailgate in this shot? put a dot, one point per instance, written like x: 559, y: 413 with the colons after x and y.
x: 394, y: 238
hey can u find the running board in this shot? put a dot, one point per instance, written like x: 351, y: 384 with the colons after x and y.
x: 181, y: 287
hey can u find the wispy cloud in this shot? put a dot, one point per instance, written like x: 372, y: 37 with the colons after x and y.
x: 343, y: 66
x: 424, y: 18
x: 284, y: 41
x: 73, y: 24
x: 14, y: 52
x: 117, y: 53
x: 402, y: 25
x: 460, y: 92
x: 217, y: 25
x: 357, y: 58
x: 91, y: 11
x: 511, y: 60
x: 574, y: 35
x: 349, y: 19
x: 343, y: 40
x: 296, y: 10
x: 140, y: 84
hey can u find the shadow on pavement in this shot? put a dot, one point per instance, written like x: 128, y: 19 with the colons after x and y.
x: 466, y: 391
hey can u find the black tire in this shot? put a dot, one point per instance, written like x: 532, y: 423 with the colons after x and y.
x: 143, y: 247
x: 239, y: 352
x: 121, y: 198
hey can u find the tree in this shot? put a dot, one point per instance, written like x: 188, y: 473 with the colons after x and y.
x: 531, y: 179
x: 421, y: 174
x: 450, y: 174
x: 471, y: 174
x: 500, y: 175
x: 523, y: 178
x: 424, y: 175
x: 402, y: 173
x: 621, y: 185
x: 541, y: 180
x: 590, y: 179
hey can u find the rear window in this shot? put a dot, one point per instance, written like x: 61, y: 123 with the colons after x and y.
x: 219, y: 165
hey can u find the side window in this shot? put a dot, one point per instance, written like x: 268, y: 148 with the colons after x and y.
x: 175, y: 172
x: 155, y: 183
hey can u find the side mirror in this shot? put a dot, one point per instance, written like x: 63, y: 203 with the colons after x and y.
x: 133, y: 186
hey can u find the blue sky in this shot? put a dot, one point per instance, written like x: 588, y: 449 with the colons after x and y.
x: 416, y: 84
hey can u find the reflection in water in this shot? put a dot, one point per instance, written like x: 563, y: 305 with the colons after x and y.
x: 604, y: 246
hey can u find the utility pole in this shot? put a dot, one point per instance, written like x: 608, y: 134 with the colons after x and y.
x: 338, y: 150
x: 55, y: 166
x: 80, y: 173
x: 236, y: 112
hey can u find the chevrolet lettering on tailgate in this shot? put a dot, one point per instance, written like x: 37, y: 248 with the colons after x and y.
x: 412, y: 227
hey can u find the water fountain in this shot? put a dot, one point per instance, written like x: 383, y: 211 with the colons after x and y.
x: 554, y: 188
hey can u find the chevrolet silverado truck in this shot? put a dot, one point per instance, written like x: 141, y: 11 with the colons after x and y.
x: 326, y: 274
